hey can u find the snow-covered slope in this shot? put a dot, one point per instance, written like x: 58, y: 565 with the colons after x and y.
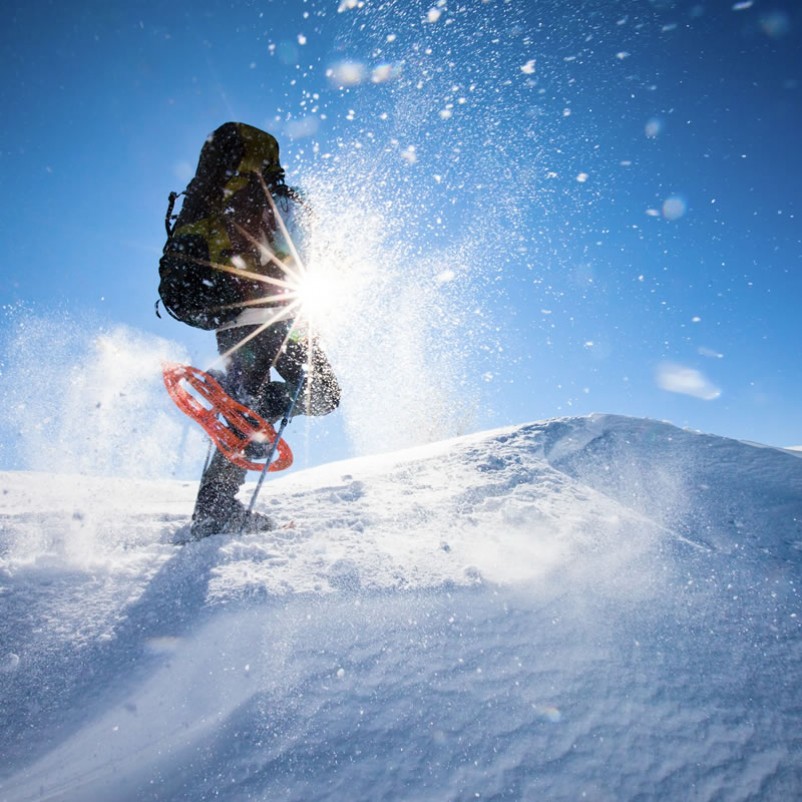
x: 592, y: 608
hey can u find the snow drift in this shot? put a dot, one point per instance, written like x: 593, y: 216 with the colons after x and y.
x: 601, y: 608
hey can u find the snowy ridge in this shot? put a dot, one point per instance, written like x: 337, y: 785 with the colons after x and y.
x: 603, y: 606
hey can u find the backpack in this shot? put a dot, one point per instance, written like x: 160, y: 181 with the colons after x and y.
x: 197, y: 285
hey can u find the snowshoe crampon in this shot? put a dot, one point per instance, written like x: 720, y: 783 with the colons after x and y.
x: 231, y: 425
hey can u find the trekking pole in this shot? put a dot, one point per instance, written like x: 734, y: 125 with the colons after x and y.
x: 284, y: 422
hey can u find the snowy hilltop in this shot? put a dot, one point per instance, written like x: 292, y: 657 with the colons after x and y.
x: 598, y: 608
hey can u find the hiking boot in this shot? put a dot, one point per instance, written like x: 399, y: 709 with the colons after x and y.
x: 235, y: 520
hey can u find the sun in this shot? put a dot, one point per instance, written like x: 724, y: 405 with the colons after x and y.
x: 320, y: 292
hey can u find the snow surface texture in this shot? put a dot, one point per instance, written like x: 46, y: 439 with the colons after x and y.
x: 592, y: 608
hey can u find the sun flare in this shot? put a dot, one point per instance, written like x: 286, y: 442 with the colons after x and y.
x: 319, y: 295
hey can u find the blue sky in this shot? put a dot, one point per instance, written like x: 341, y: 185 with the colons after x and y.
x: 566, y: 208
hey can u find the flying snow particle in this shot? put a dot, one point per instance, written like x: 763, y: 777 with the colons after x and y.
x: 709, y: 352
x: 347, y: 5
x: 409, y: 155
x: 433, y: 15
x: 301, y: 39
x: 686, y: 381
x: 382, y: 73
x: 529, y: 67
x: 654, y: 127
x: 582, y: 178
x: 10, y: 663
x: 674, y: 207
x: 551, y: 714
x: 743, y: 6
x: 775, y: 24
x: 347, y: 73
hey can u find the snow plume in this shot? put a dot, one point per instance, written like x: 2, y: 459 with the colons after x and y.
x: 417, y: 208
x: 395, y: 324
x: 79, y: 397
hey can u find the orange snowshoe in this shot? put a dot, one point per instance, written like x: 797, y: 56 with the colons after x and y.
x: 233, y: 428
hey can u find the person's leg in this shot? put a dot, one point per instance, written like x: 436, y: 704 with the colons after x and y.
x: 250, y: 360
x: 302, y: 358
x: 216, y: 502
x: 247, y: 374
x: 294, y: 359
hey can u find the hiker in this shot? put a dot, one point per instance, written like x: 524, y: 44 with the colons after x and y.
x: 228, y: 266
